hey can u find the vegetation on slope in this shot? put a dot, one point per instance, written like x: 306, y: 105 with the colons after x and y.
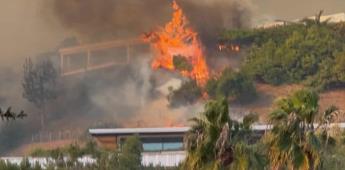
x: 188, y: 93
x: 310, y: 52
x: 236, y: 85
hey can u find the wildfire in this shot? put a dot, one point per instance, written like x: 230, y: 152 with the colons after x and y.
x: 178, y: 39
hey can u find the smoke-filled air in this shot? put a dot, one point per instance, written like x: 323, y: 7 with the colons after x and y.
x: 135, y: 94
x: 83, y: 81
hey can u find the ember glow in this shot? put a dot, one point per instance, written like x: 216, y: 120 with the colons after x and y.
x: 178, y: 39
x: 233, y: 48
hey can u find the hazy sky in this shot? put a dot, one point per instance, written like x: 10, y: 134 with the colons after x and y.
x: 293, y: 9
x: 25, y: 30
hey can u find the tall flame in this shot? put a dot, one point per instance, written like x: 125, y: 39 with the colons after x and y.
x: 177, y: 38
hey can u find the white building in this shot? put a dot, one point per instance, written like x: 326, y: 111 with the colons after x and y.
x: 334, y: 18
x: 161, y: 146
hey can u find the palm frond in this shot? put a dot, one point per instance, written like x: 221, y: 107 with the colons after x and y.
x: 297, y: 156
x: 278, y: 116
x: 330, y: 114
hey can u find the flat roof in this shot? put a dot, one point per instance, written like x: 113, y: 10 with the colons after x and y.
x: 160, y: 130
x: 122, y: 131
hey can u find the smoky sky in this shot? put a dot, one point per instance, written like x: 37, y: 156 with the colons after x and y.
x: 102, y: 19
x: 266, y: 10
x: 37, y: 26
x: 30, y: 27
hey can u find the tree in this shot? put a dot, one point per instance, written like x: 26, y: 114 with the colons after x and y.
x: 331, y: 74
x: 39, y: 84
x: 236, y: 85
x: 188, y: 93
x: 216, y: 141
x: 293, y: 142
x: 74, y: 152
x: 130, y: 157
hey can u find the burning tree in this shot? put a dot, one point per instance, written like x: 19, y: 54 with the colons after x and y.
x: 177, y: 38
x: 39, y: 84
x: 181, y: 63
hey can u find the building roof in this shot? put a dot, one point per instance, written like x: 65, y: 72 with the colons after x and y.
x: 124, y: 131
x: 129, y: 131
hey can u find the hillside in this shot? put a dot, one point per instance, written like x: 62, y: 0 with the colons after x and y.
x: 268, y: 94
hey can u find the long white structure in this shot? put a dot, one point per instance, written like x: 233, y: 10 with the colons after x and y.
x: 334, y: 18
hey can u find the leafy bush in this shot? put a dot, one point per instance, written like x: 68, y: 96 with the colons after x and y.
x: 311, y: 52
x: 295, y: 59
x: 130, y: 157
x: 24, y: 165
x: 331, y: 74
x: 259, y: 36
x: 188, y: 93
x: 236, y: 85
x: 40, y: 153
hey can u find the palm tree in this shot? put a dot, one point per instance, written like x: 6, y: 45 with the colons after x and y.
x: 293, y: 142
x: 215, y: 141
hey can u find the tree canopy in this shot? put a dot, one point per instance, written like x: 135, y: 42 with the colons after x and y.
x: 293, y: 141
x: 236, y: 85
x: 215, y: 141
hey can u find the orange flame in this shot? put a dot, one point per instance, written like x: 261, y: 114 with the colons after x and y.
x: 177, y: 38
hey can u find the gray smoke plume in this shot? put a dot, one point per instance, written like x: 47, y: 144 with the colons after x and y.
x: 124, y: 94
x: 102, y: 20
x: 106, y: 19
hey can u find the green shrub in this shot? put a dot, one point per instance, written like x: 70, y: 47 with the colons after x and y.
x: 130, y: 157
x: 38, y: 152
x: 311, y: 53
x: 188, y: 93
x: 236, y: 85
